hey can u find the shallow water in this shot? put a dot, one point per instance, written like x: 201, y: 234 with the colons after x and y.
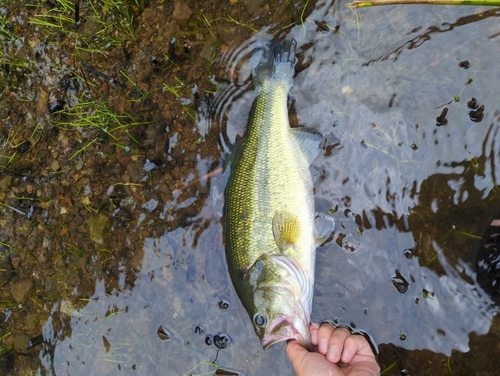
x: 148, y: 283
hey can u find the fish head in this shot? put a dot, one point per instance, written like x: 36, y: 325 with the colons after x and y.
x: 282, y: 297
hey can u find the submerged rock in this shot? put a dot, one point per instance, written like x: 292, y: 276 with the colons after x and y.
x: 98, y: 228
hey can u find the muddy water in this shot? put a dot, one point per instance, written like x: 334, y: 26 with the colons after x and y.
x: 111, y: 232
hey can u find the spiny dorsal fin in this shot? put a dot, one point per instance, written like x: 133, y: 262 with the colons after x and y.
x: 286, y: 229
x: 309, y: 140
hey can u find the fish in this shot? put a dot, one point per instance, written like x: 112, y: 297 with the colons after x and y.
x: 269, y: 214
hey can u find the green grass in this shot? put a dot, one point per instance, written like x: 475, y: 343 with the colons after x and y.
x: 203, y: 362
x: 4, y: 349
x: 7, y: 303
x: 10, y: 142
x: 75, y: 251
x: 114, y: 23
x: 6, y: 160
x: 12, y: 67
x: 96, y: 121
x: 227, y: 19
x: 176, y: 91
x: 389, y: 367
x: 7, y: 245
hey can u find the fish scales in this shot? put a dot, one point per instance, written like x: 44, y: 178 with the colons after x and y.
x: 269, y: 175
x: 269, y: 213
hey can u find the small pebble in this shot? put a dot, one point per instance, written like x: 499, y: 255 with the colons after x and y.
x: 79, y: 165
x: 54, y: 165
x: 55, y: 105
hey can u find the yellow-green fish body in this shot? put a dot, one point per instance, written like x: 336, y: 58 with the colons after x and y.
x: 269, y: 214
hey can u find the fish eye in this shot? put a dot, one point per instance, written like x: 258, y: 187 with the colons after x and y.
x: 259, y: 319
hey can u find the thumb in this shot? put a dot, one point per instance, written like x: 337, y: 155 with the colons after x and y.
x: 297, y: 355
x: 309, y: 363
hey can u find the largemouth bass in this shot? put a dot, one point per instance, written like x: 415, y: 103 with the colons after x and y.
x: 269, y: 211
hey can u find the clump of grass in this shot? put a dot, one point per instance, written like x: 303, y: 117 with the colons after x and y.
x: 114, y: 20
x: 7, y: 304
x: 12, y: 67
x: 14, y: 140
x: 96, y: 121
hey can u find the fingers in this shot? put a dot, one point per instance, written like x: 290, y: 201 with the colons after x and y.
x: 356, y: 345
x: 338, y: 344
x: 313, y: 329
x: 336, y: 347
x: 325, y: 332
x: 307, y: 363
x: 331, y: 342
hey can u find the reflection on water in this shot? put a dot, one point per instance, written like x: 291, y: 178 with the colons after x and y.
x: 411, y: 201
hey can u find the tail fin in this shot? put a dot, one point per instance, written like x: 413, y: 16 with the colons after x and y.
x: 279, y: 65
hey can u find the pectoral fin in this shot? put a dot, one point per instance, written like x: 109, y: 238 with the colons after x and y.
x: 323, y: 228
x: 309, y: 140
x: 286, y: 229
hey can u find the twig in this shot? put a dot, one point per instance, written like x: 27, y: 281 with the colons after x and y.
x: 363, y: 4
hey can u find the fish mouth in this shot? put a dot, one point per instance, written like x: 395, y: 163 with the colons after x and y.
x: 283, y: 328
x: 294, y: 322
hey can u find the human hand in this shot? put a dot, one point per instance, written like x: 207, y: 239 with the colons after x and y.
x: 336, y: 353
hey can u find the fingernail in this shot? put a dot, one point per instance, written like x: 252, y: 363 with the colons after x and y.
x: 323, y: 346
x: 345, y: 355
x: 314, y: 337
x: 333, y: 354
